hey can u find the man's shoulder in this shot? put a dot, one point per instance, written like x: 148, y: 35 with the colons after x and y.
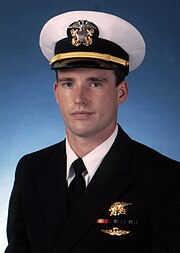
x: 43, y: 155
x: 145, y: 155
x: 142, y: 153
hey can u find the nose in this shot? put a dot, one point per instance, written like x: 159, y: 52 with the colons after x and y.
x: 81, y: 96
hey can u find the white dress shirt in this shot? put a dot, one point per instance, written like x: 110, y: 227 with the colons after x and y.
x: 92, y: 160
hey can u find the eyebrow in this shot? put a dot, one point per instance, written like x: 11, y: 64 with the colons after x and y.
x: 103, y: 79
x: 90, y: 78
x: 62, y: 79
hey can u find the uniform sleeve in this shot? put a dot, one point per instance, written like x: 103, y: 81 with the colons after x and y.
x: 165, y: 215
x: 16, y: 230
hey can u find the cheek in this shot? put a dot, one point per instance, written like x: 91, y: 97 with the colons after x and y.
x: 108, y: 105
x: 60, y: 101
x: 111, y: 99
x: 61, y: 98
x: 65, y: 104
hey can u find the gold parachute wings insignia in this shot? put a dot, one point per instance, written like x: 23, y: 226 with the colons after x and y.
x: 115, y: 231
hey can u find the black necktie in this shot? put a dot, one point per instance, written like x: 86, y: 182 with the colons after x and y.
x: 77, y: 186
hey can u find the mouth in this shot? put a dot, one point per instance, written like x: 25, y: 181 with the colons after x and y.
x: 82, y: 114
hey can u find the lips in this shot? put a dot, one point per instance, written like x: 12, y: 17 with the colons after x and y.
x: 82, y: 114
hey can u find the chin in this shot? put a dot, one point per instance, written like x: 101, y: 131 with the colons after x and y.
x: 83, y: 132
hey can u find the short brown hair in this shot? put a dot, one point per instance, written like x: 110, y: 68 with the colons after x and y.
x: 119, y: 75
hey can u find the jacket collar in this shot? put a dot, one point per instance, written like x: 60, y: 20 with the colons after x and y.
x: 109, y: 181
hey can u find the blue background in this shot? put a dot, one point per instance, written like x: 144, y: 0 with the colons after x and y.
x: 29, y: 116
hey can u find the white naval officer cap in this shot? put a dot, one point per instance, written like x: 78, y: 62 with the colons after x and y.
x: 91, y: 39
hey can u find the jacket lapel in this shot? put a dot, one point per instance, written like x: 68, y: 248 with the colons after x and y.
x: 110, y: 181
x: 52, y: 191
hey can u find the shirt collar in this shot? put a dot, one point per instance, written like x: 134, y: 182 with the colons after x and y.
x: 93, y: 159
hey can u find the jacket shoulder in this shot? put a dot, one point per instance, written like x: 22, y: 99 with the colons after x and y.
x: 143, y: 154
x: 45, y: 151
x: 38, y: 158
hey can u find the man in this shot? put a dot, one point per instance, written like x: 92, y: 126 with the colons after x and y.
x: 127, y: 197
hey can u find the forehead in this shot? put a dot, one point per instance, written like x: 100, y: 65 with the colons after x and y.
x: 85, y: 72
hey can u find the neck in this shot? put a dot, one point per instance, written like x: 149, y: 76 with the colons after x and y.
x: 84, y: 145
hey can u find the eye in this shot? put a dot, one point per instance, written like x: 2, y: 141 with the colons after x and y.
x: 96, y: 84
x: 67, y: 84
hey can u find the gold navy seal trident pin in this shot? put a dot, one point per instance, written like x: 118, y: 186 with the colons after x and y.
x: 118, y: 208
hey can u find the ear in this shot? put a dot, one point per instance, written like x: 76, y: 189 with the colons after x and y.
x: 122, y: 92
x: 56, y: 92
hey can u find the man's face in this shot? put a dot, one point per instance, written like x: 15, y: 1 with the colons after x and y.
x: 88, y: 101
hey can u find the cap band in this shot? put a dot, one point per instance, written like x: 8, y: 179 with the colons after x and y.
x: 93, y: 55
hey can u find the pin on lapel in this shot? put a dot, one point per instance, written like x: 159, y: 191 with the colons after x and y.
x: 115, y: 231
x: 118, y: 208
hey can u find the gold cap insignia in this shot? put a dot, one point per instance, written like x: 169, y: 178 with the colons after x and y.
x: 82, y: 32
x: 118, y: 208
x: 115, y: 231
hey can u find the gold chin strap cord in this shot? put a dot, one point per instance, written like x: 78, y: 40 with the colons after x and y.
x: 92, y: 55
